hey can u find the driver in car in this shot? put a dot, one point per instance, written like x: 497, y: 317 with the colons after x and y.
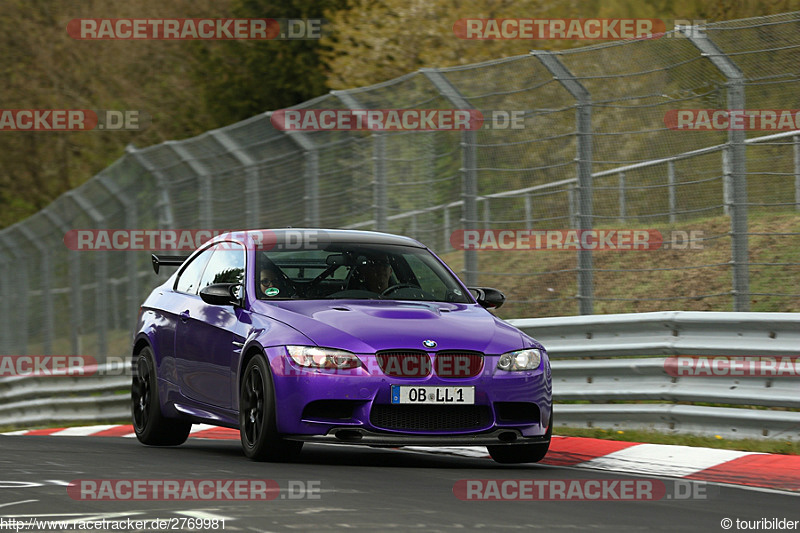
x: 373, y: 274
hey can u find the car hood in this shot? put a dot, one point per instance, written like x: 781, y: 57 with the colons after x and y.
x: 366, y: 326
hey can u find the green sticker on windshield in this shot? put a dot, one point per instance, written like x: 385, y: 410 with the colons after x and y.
x: 272, y: 291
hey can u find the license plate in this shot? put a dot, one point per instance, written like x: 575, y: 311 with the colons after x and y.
x: 433, y: 395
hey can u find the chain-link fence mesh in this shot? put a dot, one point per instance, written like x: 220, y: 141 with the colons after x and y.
x: 593, y: 152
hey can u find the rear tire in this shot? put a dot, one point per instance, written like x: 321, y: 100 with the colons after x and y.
x: 257, y: 422
x: 151, y: 427
x: 522, y: 453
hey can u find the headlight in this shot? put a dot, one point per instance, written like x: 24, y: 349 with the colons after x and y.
x: 316, y: 357
x: 520, y: 360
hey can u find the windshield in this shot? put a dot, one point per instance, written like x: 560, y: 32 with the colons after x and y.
x: 356, y: 271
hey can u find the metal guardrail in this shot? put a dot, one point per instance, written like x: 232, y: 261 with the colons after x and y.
x: 65, y: 399
x: 666, y: 333
x: 596, y: 359
x: 576, y: 344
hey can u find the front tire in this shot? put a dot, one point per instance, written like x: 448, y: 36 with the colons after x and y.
x: 522, y: 453
x: 151, y: 427
x: 257, y: 422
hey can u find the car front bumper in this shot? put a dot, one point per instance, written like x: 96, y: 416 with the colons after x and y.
x: 365, y: 391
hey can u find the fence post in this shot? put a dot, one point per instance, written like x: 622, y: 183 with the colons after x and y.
x: 6, y: 329
x: 738, y: 164
x: 726, y: 181
x: 311, y: 196
x: 101, y: 276
x: 796, y: 139
x: 165, y: 218
x: 252, y: 203
x: 131, y: 221
x: 528, y: 212
x: 572, y: 206
x: 671, y: 190
x: 311, y: 174
x: 206, y: 215
x: 380, y: 191
x: 379, y: 171
x: 469, y: 169
x: 584, y: 162
x: 20, y: 300
x: 46, y: 287
x: 446, y: 241
x: 74, y: 273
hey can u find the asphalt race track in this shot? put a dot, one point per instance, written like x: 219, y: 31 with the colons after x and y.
x: 348, y: 489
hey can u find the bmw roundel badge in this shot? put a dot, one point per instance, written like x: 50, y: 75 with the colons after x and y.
x: 428, y: 343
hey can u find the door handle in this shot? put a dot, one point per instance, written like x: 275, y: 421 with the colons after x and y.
x: 184, y: 316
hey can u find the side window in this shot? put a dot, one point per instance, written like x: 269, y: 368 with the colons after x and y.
x: 225, y: 266
x: 189, y: 279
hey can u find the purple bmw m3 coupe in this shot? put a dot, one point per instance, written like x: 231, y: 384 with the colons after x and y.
x: 350, y: 337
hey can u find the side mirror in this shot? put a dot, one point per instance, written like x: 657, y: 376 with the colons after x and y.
x: 487, y: 297
x: 220, y: 294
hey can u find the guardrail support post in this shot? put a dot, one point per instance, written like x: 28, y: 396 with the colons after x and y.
x: 584, y: 163
x: 738, y: 163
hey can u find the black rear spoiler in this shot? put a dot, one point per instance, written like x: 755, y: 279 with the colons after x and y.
x: 167, y: 260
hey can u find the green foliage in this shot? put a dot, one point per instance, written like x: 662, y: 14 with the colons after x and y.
x: 190, y: 87
x: 240, y: 79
